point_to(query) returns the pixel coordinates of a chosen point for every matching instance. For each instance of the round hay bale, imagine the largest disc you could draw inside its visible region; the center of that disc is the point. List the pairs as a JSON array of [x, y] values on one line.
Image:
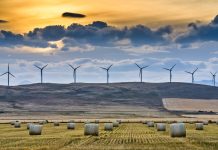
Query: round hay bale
[[150, 124], [161, 127], [35, 129], [115, 124], [91, 129], [205, 122], [199, 126], [13, 122], [17, 124], [108, 126], [28, 125], [178, 130], [71, 126], [56, 124]]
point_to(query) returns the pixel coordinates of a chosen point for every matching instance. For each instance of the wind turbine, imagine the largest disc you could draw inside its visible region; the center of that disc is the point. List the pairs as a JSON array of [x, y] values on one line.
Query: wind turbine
[[141, 71], [8, 73], [170, 70], [41, 69], [192, 73], [107, 69], [74, 71], [214, 78]]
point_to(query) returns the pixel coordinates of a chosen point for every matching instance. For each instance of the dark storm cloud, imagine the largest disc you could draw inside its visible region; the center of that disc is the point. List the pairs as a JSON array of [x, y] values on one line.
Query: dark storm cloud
[[215, 20], [97, 33], [200, 33], [49, 33], [9, 39], [73, 15], [101, 34], [3, 21]]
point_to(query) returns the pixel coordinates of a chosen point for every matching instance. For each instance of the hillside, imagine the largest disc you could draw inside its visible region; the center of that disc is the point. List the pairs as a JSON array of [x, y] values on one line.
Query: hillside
[[85, 98]]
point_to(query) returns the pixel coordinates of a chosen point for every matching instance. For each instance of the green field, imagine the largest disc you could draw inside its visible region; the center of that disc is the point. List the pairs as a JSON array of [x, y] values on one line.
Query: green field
[[126, 136]]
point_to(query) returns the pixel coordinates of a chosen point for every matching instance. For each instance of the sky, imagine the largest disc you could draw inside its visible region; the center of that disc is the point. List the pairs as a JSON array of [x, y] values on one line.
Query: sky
[[98, 33]]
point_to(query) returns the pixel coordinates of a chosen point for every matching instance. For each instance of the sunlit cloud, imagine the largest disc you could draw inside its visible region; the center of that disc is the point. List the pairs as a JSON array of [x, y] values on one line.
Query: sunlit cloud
[[25, 15]]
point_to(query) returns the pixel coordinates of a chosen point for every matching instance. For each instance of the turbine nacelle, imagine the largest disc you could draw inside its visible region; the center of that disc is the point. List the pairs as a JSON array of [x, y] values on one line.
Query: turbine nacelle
[[9, 74], [192, 73], [41, 69], [74, 71], [214, 78], [107, 69], [141, 70], [170, 70]]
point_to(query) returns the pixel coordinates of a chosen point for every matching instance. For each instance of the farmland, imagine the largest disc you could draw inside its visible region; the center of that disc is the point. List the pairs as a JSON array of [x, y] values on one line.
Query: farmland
[[181, 104], [126, 136]]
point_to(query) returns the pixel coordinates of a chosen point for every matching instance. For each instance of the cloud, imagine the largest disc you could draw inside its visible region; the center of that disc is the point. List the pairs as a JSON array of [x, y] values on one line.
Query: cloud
[[73, 15], [215, 20], [200, 33], [79, 37], [49, 33], [101, 34], [3, 21], [136, 39], [9, 39]]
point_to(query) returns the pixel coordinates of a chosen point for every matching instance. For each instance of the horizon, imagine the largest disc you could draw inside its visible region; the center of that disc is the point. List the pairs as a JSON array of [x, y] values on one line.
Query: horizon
[[131, 82]]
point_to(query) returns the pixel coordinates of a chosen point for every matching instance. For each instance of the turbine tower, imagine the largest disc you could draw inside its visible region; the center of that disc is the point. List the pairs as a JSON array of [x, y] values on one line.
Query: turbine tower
[[141, 71], [74, 71], [170, 70], [214, 78], [41, 70], [8, 73], [107, 69], [192, 73]]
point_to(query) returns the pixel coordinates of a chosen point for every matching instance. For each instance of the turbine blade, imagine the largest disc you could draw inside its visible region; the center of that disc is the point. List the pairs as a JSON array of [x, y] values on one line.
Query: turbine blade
[[37, 67], [12, 75], [4, 73], [195, 70], [78, 67], [71, 66], [173, 67], [103, 68], [110, 66], [166, 69], [145, 67], [137, 65], [188, 72], [44, 66]]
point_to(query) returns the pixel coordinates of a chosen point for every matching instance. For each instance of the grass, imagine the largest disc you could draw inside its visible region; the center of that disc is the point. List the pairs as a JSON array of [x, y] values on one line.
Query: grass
[[128, 136]]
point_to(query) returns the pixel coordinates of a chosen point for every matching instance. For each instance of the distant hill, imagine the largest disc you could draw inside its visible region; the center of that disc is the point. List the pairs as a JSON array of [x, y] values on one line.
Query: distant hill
[[84, 96]]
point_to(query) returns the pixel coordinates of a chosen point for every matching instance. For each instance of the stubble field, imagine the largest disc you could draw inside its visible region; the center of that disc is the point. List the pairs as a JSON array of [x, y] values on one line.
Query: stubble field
[[127, 136]]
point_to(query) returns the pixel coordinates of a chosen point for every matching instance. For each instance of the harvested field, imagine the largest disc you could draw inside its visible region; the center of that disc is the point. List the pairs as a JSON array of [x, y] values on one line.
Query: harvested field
[[126, 136], [179, 104]]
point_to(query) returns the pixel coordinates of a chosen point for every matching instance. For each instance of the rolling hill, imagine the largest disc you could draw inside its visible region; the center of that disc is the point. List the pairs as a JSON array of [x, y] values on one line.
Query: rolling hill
[[85, 98]]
